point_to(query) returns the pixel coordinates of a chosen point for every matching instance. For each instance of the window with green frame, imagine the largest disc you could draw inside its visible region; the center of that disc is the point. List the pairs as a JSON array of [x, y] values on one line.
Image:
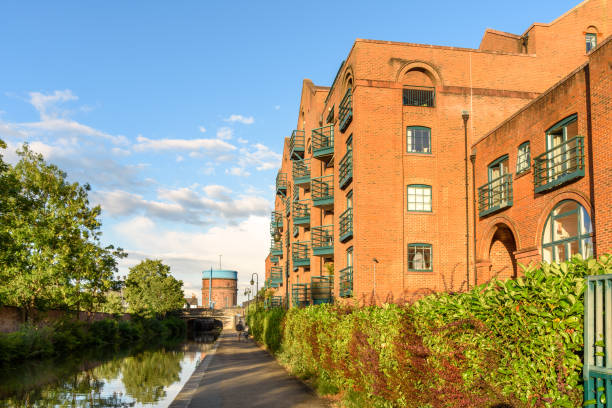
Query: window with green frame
[[591, 41], [330, 115], [418, 139], [419, 197], [420, 258], [349, 256], [567, 232], [523, 159], [560, 155]]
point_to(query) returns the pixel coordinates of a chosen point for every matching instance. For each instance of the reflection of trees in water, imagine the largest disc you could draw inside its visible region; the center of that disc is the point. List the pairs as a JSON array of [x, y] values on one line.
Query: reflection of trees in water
[[146, 375], [76, 384]]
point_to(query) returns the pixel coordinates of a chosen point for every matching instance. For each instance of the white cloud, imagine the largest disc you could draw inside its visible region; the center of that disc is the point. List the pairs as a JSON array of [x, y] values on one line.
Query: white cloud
[[224, 133], [237, 171], [246, 120], [277, 107], [179, 158], [120, 152], [213, 145], [190, 253], [184, 204], [243, 141], [208, 171], [202, 129], [259, 156], [46, 104]]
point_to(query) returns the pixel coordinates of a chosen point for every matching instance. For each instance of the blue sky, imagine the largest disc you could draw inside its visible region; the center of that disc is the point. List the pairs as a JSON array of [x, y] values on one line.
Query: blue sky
[[175, 111]]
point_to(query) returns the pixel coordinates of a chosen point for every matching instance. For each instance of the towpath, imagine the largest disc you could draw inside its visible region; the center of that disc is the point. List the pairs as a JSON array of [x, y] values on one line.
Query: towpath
[[241, 375]]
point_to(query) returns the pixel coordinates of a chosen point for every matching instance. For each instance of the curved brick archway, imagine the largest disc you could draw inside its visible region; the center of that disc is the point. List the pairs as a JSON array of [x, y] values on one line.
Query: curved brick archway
[[501, 259]]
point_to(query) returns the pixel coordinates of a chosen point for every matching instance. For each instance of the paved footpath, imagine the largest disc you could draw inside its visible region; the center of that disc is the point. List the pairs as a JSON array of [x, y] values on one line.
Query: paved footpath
[[241, 375]]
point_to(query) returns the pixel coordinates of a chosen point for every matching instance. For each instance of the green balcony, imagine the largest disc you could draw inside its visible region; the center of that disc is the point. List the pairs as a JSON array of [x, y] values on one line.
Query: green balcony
[[281, 184], [301, 212], [276, 274], [322, 240], [274, 259], [273, 302], [300, 294], [321, 289], [323, 192], [296, 144], [276, 222], [323, 142], [296, 231], [300, 254], [495, 195], [301, 172], [346, 169], [559, 165], [271, 284], [346, 225], [346, 282], [276, 248], [345, 111]]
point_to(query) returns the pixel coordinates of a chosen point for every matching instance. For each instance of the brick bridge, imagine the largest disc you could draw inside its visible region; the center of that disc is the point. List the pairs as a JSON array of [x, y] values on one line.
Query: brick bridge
[[207, 319]]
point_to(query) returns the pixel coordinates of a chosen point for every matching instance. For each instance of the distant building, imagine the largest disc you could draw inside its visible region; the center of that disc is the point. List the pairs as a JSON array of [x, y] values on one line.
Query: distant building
[[191, 302], [224, 288]]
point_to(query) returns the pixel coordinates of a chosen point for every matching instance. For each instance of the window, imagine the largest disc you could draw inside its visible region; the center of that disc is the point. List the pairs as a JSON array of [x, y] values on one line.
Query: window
[[591, 41], [349, 257], [349, 142], [568, 231], [419, 198], [349, 199], [418, 139], [498, 188], [330, 115], [561, 155], [523, 160], [419, 257], [419, 96]]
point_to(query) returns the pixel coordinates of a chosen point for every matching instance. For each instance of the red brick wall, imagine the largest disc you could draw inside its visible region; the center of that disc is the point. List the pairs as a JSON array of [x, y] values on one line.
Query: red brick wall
[[224, 292], [600, 71]]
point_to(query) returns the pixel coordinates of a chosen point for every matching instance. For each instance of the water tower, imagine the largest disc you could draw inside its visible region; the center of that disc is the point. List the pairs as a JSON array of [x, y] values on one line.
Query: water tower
[[223, 288]]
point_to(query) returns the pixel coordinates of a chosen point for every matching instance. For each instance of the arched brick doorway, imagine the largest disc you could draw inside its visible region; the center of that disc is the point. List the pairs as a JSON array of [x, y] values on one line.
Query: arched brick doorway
[[501, 254]]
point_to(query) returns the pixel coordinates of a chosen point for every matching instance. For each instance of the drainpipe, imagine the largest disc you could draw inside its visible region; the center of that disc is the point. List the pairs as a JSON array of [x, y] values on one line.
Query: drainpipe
[[473, 160], [466, 115]]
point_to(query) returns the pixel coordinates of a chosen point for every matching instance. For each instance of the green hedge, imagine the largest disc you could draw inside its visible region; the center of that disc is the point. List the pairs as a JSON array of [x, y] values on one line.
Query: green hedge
[[516, 343], [65, 336]]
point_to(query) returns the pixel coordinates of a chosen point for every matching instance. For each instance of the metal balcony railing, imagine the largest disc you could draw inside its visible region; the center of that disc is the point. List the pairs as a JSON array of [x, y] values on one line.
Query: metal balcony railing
[[345, 110], [321, 289], [495, 195], [276, 248], [322, 238], [301, 212], [276, 222], [346, 169], [301, 172], [300, 253], [296, 144], [300, 294], [346, 282], [276, 274], [273, 302], [323, 191], [346, 225], [323, 142], [281, 183], [559, 165], [287, 202], [419, 96]]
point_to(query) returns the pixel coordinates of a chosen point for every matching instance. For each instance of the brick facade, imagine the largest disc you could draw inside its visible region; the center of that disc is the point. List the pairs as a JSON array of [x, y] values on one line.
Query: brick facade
[[506, 73], [224, 291]]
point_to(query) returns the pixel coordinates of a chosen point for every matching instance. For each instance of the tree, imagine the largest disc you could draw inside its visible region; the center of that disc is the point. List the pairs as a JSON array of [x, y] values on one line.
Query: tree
[[51, 255], [150, 290]]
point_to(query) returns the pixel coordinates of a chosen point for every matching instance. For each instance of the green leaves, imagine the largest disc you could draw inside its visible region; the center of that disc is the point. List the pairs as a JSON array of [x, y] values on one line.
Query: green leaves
[[150, 290]]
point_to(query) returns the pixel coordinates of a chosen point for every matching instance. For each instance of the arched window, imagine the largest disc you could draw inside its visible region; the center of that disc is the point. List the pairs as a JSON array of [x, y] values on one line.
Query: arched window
[[591, 41], [568, 231], [523, 159]]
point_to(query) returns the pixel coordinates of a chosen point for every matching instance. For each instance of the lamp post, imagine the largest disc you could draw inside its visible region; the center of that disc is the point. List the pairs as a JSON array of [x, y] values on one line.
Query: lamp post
[[256, 288], [465, 115], [277, 237]]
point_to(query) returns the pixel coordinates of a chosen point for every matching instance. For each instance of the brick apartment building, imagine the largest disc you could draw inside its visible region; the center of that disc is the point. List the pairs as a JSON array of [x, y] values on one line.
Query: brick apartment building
[[372, 185]]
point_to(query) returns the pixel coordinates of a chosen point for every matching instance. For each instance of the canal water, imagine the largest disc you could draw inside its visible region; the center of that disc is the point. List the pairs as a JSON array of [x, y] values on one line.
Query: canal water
[[106, 378]]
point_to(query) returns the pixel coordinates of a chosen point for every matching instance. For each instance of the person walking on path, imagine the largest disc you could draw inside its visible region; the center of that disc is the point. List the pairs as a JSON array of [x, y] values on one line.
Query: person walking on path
[[239, 328]]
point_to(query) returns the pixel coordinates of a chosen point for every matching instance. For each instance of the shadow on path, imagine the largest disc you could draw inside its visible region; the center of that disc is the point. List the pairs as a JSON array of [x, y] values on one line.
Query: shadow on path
[[240, 374]]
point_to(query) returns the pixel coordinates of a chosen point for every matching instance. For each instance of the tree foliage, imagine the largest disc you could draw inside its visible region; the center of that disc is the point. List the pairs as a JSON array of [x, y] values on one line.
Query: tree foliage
[[51, 255], [150, 290]]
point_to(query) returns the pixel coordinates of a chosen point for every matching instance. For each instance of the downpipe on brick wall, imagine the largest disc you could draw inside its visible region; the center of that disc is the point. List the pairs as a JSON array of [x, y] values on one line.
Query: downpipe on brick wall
[[466, 115]]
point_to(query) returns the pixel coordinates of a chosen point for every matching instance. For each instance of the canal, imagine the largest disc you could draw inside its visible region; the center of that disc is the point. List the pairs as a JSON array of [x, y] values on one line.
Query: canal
[[139, 377]]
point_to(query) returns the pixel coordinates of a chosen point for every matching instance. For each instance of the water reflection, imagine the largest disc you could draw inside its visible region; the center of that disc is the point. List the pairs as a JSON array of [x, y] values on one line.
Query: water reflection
[[145, 378]]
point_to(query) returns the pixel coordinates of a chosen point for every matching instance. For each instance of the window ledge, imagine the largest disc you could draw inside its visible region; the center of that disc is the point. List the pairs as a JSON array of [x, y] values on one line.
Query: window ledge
[[522, 174]]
